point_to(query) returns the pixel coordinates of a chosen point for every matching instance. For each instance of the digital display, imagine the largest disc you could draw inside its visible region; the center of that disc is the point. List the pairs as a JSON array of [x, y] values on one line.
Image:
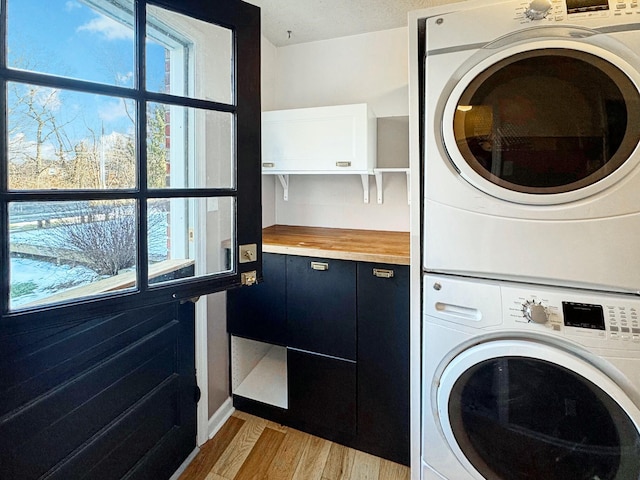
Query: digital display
[[583, 315], [576, 6]]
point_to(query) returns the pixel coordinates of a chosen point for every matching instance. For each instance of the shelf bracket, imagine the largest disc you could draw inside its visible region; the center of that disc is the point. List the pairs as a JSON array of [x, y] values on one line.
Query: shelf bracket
[[378, 172], [365, 186], [284, 181], [379, 185]]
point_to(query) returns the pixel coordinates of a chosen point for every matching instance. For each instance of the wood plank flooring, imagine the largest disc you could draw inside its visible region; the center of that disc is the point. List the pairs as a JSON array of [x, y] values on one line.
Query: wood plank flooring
[[251, 448]]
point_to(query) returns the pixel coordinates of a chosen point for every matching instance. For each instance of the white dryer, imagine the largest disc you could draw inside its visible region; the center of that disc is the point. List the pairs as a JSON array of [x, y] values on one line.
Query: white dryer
[[524, 382], [532, 126]]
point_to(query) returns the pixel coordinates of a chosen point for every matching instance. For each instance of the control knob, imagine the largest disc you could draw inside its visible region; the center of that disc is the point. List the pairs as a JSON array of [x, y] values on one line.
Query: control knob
[[538, 9], [535, 312]]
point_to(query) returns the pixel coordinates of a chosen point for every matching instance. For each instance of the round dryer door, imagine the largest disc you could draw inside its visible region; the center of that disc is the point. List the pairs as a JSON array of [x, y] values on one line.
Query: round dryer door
[[534, 125], [516, 410]]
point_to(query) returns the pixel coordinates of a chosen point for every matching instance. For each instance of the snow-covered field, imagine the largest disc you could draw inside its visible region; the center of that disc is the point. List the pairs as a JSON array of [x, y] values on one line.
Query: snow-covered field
[[34, 279]]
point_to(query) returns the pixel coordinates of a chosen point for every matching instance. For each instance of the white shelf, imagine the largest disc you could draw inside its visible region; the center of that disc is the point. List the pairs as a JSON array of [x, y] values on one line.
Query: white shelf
[[267, 381], [378, 172]]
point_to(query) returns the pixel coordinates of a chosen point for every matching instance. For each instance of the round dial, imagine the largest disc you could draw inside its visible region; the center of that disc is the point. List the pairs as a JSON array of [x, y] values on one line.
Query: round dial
[[538, 9], [535, 312]]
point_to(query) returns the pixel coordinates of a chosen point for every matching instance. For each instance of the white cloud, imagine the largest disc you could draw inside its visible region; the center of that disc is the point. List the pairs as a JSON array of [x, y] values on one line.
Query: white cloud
[[112, 111], [72, 5], [49, 97], [124, 78], [108, 28]]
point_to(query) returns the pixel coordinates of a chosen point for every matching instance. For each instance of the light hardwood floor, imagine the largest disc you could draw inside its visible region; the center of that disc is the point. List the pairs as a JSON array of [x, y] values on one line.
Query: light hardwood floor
[[251, 448]]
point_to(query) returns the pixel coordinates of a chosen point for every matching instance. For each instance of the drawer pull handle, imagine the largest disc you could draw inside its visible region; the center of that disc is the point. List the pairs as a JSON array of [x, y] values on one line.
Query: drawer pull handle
[[321, 266], [382, 273], [343, 164], [268, 164]]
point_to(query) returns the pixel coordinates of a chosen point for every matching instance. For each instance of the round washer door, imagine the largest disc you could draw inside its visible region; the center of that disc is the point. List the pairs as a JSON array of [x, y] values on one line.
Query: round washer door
[[545, 122], [516, 410]]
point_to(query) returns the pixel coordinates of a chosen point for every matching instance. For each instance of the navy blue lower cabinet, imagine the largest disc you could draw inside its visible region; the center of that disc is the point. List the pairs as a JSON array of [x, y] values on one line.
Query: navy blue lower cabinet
[[383, 361], [345, 326], [322, 394]]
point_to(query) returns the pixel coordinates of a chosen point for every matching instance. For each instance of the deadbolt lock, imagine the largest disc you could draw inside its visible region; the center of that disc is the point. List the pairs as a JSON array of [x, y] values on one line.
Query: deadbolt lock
[[248, 253]]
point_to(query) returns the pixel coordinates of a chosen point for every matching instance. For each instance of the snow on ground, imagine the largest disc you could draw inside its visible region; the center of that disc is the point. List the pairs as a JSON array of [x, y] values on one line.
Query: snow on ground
[[34, 279]]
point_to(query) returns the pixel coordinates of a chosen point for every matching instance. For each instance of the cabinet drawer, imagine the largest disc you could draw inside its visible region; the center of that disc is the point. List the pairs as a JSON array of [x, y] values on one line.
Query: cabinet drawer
[[322, 392], [321, 306]]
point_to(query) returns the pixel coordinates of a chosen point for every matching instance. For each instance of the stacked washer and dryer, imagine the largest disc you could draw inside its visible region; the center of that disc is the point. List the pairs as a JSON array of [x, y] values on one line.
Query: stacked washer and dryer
[[531, 241]]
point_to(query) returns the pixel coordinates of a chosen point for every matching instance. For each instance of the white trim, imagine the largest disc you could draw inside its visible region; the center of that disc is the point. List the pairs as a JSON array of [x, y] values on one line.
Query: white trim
[[214, 424], [181, 469], [202, 375], [221, 415]]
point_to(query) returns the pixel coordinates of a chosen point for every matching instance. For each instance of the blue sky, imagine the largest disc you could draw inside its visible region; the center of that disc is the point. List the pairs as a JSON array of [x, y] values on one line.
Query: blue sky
[[68, 38]]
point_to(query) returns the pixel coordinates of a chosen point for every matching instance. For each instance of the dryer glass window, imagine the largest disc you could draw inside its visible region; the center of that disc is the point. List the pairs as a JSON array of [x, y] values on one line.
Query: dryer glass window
[[548, 121], [518, 418]]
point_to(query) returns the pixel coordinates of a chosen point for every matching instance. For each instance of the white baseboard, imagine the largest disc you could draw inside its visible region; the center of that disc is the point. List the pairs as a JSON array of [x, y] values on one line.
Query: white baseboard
[[215, 423], [185, 464], [220, 416]]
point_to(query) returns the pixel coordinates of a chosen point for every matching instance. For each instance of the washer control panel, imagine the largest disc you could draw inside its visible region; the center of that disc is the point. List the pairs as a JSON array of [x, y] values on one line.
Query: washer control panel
[[603, 316], [560, 10]]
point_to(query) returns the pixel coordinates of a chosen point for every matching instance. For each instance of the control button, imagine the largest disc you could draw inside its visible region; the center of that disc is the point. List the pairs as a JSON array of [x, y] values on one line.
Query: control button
[[614, 336], [621, 5], [635, 338], [538, 9], [625, 330], [613, 329], [535, 312]]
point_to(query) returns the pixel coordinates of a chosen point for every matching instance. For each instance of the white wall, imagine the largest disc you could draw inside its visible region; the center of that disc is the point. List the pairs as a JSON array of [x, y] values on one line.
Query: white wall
[[268, 82], [370, 68]]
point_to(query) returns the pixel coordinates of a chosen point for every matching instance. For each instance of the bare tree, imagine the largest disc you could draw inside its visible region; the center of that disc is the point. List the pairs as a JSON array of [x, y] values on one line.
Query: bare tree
[[104, 235]]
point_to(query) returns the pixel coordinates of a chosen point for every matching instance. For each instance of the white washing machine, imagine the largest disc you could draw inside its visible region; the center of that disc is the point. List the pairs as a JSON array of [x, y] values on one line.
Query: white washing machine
[[525, 382], [532, 126]]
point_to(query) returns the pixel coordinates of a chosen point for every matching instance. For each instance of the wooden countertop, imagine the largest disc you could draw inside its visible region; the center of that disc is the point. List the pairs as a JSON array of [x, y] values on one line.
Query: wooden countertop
[[375, 246]]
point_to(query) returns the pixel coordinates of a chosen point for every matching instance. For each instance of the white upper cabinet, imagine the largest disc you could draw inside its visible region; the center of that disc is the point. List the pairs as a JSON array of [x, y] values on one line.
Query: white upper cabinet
[[321, 140]]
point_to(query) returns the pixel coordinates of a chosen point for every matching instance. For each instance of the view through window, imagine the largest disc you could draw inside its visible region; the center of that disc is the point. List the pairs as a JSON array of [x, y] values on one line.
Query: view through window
[[115, 181]]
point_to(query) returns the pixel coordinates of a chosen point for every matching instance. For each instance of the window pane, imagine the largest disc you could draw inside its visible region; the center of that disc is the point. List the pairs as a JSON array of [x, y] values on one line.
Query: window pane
[[188, 57], [61, 251], [189, 237], [87, 43], [68, 140], [189, 147]]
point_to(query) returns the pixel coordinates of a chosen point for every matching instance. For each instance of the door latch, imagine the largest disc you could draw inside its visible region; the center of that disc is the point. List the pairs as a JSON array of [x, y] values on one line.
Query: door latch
[[248, 278]]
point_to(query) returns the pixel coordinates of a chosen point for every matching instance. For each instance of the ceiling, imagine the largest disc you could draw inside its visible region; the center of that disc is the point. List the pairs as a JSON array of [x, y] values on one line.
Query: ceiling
[[312, 20]]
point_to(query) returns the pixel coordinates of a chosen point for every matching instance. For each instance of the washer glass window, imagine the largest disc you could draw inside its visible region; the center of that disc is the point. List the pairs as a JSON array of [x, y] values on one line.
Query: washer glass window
[[548, 121], [518, 418]]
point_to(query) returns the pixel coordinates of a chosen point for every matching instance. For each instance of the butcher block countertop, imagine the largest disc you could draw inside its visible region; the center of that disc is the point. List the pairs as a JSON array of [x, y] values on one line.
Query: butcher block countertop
[[374, 246]]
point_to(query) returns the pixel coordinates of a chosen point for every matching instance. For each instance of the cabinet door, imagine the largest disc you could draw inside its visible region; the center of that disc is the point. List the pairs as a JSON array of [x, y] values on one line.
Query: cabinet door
[[321, 306], [335, 139], [383, 361], [259, 312], [322, 393]]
